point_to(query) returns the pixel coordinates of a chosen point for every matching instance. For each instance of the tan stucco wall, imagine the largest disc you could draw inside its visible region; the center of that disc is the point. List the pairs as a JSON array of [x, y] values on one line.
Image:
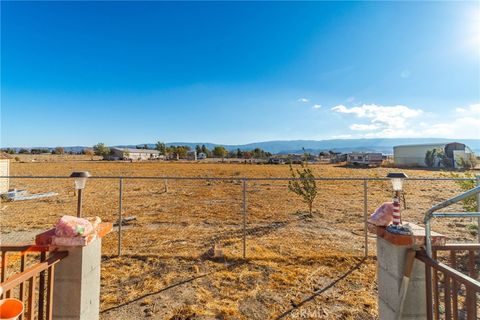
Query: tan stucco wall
[[4, 171]]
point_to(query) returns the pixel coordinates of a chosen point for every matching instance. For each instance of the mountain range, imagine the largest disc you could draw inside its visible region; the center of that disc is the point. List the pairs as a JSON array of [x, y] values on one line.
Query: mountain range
[[314, 146]]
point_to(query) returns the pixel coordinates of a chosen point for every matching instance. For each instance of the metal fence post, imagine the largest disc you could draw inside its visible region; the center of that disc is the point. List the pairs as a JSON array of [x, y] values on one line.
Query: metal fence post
[[120, 215], [244, 183], [365, 214], [478, 209], [165, 184]]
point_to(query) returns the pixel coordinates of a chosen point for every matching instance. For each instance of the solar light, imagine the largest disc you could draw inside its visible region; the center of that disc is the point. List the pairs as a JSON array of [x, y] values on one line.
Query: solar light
[[80, 180], [397, 180], [397, 183]]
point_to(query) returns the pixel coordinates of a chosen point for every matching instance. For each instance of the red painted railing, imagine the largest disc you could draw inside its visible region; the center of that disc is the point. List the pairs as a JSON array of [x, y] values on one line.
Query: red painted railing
[[33, 285], [452, 286]]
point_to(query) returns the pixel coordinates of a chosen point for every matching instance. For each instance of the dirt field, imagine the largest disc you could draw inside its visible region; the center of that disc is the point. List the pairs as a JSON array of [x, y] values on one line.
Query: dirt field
[[165, 272]]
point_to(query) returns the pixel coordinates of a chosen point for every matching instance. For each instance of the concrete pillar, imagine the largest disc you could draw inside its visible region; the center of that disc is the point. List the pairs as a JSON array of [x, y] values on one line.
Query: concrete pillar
[[77, 283], [391, 259]]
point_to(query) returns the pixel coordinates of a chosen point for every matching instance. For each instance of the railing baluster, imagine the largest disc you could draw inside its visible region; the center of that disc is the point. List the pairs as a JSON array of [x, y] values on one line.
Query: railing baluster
[[428, 277], [453, 262], [470, 304], [41, 289], [4, 265], [22, 285], [436, 303], [448, 294], [471, 263], [51, 276], [31, 298]]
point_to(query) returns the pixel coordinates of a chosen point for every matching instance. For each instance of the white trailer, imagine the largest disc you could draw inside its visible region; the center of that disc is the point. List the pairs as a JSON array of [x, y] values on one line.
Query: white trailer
[[364, 159]]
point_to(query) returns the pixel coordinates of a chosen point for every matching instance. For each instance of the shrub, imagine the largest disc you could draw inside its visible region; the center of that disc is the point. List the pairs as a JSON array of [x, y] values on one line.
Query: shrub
[[469, 204], [306, 186], [468, 163], [100, 149]]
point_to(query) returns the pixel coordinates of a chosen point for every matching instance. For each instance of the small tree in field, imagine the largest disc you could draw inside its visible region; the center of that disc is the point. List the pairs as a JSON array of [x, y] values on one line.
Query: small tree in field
[[305, 187], [58, 150], [101, 149], [220, 152]]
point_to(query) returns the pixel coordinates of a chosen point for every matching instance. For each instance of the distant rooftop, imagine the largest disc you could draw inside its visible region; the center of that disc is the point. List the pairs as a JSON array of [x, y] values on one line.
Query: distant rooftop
[[132, 150], [437, 144]]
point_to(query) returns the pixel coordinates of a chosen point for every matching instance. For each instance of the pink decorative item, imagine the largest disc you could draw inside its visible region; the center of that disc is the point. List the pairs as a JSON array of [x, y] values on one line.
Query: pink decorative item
[[73, 241], [383, 216], [69, 226]]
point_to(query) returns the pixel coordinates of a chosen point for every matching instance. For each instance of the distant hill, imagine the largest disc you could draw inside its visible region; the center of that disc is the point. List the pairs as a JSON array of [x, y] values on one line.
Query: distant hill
[[314, 146], [339, 145]]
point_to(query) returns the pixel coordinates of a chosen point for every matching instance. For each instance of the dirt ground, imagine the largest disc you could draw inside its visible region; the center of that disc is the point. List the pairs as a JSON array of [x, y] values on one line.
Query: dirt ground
[[297, 266]]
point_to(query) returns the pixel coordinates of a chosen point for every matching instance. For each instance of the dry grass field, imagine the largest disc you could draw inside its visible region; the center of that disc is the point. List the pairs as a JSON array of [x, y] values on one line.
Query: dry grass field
[[164, 271]]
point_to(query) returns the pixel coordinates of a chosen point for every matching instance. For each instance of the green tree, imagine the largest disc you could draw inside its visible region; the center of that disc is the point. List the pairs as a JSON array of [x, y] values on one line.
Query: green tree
[[160, 146], [304, 186], [431, 157], [469, 204], [239, 153], [58, 150], [220, 152], [9, 150], [182, 151], [39, 151], [198, 149], [100, 149], [205, 150]]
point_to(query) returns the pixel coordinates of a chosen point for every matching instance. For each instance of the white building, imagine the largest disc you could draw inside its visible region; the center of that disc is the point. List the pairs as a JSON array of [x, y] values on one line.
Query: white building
[[192, 155], [413, 155], [133, 154], [4, 171], [202, 156]]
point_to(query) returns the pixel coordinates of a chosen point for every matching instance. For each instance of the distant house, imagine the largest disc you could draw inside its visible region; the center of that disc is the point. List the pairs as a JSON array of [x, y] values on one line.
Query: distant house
[[192, 155], [276, 160], [413, 155], [364, 158], [4, 171], [201, 156], [338, 157], [133, 154]]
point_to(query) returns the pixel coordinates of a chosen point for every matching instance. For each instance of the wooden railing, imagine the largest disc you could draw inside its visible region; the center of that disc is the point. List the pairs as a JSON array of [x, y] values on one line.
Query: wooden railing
[[452, 287], [23, 284]]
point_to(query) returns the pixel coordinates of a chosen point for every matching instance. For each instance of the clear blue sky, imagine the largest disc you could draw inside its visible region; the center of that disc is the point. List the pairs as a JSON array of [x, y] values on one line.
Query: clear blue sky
[[77, 73]]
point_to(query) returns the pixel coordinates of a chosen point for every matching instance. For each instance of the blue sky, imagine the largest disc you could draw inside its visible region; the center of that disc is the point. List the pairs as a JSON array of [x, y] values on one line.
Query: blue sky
[[77, 73]]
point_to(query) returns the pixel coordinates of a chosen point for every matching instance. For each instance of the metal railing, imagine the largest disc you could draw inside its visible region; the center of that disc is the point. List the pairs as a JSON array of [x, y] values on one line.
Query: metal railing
[[245, 181], [432, 213], [27, 278], [450, 293]]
